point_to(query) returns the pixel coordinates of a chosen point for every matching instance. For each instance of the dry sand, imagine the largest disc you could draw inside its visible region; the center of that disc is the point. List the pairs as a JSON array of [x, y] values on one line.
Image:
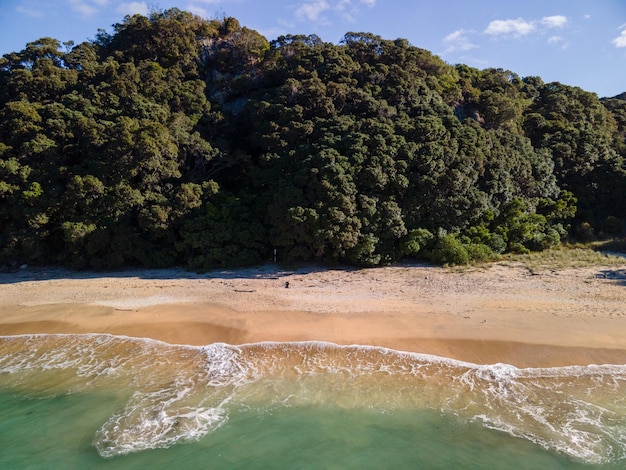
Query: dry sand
[[496, 314]]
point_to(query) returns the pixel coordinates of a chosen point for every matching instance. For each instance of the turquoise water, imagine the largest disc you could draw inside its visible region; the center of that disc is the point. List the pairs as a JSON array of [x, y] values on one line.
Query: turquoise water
[[101, 401]]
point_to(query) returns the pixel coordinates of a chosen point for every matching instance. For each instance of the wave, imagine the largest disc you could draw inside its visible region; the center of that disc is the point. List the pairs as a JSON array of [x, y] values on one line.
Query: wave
[[174, 393]]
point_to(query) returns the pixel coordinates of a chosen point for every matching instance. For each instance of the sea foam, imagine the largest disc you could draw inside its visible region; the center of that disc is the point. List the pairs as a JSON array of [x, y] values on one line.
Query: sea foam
[[171, 394]]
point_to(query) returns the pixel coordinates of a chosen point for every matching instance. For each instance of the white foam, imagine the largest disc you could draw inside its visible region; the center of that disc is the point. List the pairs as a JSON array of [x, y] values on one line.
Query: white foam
[[152, 427], [563, 408]]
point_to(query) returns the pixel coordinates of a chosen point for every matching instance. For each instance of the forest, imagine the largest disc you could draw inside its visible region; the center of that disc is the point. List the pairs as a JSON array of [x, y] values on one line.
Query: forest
[[179, 141]]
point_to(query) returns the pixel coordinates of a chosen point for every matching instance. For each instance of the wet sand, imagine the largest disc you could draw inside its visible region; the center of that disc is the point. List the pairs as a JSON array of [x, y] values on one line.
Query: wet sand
[[497, 314]]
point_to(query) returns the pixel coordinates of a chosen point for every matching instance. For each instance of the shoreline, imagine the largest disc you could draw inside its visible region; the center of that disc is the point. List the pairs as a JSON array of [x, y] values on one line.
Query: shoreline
[[500, 314]]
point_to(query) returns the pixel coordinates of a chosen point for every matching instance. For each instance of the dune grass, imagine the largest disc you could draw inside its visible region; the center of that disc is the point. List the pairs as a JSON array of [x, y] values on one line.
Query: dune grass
[[567, 256]]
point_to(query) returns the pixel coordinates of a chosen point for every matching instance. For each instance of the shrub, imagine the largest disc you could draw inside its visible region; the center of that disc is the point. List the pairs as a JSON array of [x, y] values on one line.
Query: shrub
[[518, 248], [415, 241], [585, 232], [497, 243], [449, 250], [479, 252]]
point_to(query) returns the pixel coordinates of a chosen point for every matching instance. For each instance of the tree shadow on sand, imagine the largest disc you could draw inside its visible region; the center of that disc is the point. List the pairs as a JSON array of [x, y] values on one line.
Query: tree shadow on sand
[[265, 271], [618, 276]]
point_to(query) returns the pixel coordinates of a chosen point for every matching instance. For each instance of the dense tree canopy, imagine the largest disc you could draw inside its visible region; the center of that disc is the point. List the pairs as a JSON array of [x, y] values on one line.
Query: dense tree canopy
[[176, 140]]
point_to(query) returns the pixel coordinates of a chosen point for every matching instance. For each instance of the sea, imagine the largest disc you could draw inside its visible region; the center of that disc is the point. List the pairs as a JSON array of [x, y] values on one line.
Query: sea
[[112, 402]]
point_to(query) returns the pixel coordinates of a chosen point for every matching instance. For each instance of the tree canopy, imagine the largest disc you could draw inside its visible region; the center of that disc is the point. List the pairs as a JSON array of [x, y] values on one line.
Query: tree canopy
[[176, 140]]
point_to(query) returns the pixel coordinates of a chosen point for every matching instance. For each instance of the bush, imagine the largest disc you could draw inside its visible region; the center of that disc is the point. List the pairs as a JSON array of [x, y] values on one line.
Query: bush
[[497, 243], [518, 248], [584, 232], [415, 241], [479, 252], [449, 250]]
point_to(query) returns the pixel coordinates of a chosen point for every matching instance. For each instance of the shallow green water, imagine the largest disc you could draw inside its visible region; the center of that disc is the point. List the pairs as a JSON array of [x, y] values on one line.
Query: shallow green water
[[57, 433], [100, 401]]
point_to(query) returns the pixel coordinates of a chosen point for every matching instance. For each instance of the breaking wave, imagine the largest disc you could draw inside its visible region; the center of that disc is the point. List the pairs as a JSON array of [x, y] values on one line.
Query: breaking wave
[[170, 394]]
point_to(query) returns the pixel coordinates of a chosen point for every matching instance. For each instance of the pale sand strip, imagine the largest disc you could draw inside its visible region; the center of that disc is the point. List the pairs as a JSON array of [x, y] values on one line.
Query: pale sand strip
[[500, 314]]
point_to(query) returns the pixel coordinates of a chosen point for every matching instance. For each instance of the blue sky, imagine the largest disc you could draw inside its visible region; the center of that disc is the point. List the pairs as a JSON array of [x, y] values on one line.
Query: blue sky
[[576, 42]]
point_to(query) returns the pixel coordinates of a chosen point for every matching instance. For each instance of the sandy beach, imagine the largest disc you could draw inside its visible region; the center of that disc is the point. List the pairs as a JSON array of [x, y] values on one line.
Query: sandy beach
[[502, 313]]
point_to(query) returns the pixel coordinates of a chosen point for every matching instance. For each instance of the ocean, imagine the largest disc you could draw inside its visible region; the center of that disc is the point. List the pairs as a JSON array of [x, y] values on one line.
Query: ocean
[[103, 401]]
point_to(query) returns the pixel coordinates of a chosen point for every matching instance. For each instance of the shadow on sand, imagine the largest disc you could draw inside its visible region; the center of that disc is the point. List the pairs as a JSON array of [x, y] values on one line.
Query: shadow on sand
[[266, 271], [618, 276]]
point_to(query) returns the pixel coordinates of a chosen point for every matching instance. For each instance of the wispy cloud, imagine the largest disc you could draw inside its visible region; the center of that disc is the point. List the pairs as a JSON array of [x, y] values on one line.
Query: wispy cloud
[[133, 8], [83, 7], [321, 11], [620, 41], [313, 11], [557, 21], [29, 11], [520, 27], [558, 41], [466, 39], [198, 10], [459, 41], [87, 8], [350, 10]]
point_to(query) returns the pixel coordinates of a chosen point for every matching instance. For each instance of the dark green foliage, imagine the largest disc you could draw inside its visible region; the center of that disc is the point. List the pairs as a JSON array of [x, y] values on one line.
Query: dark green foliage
[[450, 250], [177, 140], [586, 139]]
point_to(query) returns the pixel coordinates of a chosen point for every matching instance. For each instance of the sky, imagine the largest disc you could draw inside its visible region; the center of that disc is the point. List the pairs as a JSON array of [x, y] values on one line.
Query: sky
[[575, 42]]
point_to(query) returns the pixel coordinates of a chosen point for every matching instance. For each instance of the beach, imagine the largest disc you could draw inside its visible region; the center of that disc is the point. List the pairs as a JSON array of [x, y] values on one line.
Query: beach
[[501, 313], [407, 366]]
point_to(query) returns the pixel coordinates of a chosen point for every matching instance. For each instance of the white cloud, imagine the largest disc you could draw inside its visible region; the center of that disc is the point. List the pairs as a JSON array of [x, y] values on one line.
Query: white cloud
[[83, 7], [319, 10], [455, 36], [555, 39], [312, 11], [87, 7], [349, 10], [345, 10], [558, 40], [198, 10], [620, 41], [557, 21], [458, 41], [272, 33], [133, 8], [518, 27]]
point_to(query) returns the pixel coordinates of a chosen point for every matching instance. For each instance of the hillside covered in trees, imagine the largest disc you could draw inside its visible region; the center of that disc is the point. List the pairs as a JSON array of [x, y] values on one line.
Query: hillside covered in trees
[[176, 140]]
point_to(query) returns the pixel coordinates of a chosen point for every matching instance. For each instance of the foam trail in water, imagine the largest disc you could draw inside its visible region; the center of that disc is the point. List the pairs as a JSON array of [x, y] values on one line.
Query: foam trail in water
[[150, 422]]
